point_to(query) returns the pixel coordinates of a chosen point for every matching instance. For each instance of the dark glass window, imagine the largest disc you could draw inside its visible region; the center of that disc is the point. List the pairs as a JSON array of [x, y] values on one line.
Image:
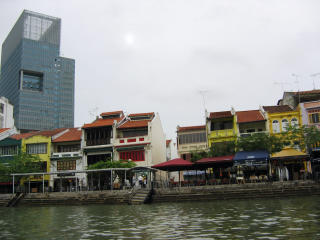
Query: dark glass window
[[32, 81]]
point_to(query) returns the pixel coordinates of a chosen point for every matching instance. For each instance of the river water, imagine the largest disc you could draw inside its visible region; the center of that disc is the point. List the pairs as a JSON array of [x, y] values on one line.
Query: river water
[[293, 218]]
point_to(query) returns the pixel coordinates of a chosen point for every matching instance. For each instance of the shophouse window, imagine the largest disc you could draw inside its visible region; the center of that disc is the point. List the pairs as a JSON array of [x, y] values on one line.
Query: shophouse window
[[66, 165], [285, 124], [192, 138], [314, 118], [221, 125], [37, 148], [1, 122], [133, 155], [276, 126], [294, 122], [69, 148], [8, 150]]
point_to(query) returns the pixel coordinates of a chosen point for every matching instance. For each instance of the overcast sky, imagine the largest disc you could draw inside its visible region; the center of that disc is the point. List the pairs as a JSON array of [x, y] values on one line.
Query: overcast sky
[[164, 56]]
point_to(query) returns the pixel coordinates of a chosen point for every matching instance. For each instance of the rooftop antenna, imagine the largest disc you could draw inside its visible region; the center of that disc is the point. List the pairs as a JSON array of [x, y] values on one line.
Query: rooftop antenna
[[313, 77], [281, 84], [297, 82], [93, 112], [202, 93]]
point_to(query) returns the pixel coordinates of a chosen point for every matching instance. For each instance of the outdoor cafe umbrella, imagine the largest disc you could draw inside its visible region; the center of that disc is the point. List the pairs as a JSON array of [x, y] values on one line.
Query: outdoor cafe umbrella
[[173, 165]]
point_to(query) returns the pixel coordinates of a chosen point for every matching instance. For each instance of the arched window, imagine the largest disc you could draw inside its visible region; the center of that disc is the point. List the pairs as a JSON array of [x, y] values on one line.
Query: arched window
[[275, 126], [285, 124], [294, 122]]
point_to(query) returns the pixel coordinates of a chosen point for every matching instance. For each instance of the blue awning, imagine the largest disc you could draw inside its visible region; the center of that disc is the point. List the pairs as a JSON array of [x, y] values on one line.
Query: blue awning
[[254, 158]]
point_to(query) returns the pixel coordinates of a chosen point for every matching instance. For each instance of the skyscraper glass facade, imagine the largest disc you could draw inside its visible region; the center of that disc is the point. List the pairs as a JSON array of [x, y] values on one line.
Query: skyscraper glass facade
[[35, 79]]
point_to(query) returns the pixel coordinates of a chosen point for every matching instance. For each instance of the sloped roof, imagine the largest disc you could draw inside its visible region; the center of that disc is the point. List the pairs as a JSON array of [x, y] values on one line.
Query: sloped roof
[[3, 129], [315, 91], [23, 135], [74, 134], [110, 113], [222, 114], [134, 124], [141, 114], [191, 128], [49, 133], [249, 116], [102, 122], [277, 109]]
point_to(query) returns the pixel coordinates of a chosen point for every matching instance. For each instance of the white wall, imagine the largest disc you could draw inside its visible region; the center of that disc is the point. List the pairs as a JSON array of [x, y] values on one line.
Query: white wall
[[8, 133], [6, 118], [158, 141]]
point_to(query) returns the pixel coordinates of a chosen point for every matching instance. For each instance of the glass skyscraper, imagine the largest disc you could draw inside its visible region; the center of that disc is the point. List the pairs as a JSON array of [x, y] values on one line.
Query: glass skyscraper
[[34, 77]]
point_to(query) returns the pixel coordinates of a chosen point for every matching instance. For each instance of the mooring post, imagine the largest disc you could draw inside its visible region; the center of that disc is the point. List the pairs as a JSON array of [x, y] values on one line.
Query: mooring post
[[12, 184], [76, 184], [111, 180]]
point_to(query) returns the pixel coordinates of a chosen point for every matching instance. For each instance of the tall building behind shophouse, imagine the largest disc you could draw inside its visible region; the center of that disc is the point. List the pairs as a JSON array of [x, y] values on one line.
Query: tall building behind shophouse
[[34, 77]]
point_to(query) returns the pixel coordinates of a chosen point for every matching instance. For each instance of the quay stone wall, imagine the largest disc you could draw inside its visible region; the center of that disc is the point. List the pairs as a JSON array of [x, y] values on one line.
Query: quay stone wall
[[176, 194], [76, 198], [234, 191]]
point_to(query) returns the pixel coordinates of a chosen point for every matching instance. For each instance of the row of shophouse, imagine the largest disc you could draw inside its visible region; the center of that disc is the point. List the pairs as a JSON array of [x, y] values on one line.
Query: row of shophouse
[[138, 137], [295, 109]]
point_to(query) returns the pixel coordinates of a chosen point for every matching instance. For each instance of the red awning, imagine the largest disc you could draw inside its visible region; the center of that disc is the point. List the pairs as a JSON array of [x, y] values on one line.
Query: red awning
[[176, 164], [221, 159]]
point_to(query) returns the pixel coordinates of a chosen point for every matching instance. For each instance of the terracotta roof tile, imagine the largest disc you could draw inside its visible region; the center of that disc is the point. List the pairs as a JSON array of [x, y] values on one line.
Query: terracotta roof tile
[[134, 124], [74, 134], [49, 133], [223, 114], [191, 128], [316, 91], [23, 135], [277, 109], [141, 114], [3, 129], [249, 116], [102, 122], [111, 113]]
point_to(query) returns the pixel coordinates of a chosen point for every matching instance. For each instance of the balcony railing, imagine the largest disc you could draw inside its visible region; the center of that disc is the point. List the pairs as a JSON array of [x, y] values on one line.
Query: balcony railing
[[223, 133], [251, 133], [129, 140], [101, 141], [65, 154]]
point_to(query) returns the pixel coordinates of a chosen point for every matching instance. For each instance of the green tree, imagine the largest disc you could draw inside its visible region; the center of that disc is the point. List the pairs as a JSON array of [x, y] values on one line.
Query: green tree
[[100, 178], [260, 141], [197, 155], [21, 163], [304, 136], [222, 149], [112, 164]]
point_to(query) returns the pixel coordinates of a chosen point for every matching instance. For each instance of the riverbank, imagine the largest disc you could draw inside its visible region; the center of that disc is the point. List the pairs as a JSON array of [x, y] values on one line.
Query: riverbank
[[182, 194]]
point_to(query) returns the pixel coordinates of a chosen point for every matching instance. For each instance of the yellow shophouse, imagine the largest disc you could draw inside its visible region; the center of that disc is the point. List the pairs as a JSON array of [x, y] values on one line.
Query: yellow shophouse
[[221, 127]]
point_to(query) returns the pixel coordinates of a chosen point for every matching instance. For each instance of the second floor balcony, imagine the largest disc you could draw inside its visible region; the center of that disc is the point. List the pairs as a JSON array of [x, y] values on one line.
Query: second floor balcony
[[249, 134], [223, 133], [98, 141], [59, 155], [132, 140]]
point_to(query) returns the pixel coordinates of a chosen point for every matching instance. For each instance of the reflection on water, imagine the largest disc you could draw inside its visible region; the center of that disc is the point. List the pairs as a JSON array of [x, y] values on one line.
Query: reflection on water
[[295, 218]]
